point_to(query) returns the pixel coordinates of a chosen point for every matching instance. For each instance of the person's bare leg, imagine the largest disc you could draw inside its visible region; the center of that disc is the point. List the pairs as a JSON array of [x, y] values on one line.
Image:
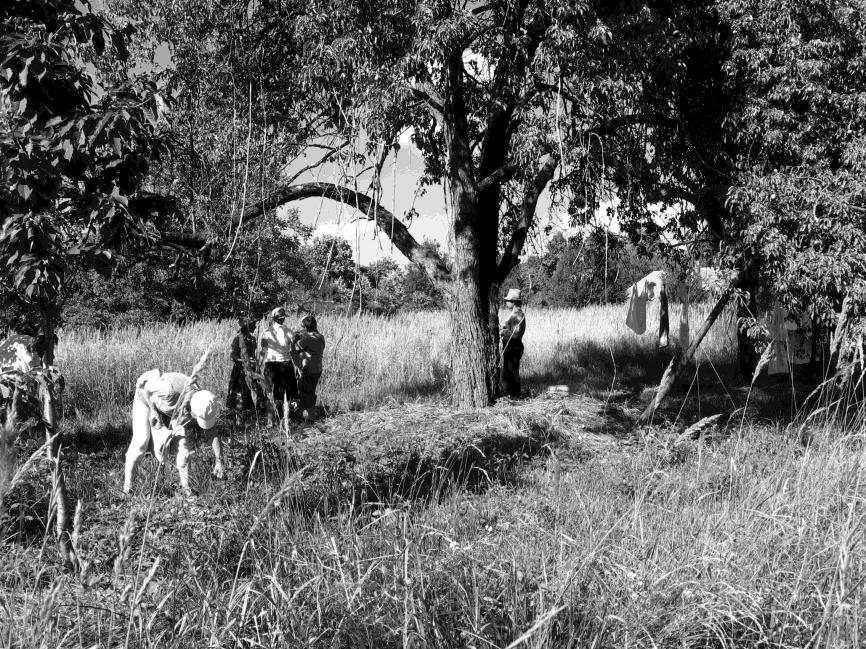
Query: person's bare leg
[[183, 465], [219, 469], [137, 447]]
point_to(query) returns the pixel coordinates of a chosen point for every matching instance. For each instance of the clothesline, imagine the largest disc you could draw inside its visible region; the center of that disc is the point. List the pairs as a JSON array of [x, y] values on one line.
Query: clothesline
[[789, 336]]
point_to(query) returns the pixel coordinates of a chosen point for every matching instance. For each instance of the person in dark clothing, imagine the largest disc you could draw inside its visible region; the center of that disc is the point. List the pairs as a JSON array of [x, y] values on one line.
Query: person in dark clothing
[[308, 348], [511, 334], [243, 352]]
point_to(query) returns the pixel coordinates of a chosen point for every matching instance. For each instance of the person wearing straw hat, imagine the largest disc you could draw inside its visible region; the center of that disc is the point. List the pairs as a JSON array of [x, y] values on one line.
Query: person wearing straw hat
[[275, 355], [511, 334], [168, 408]]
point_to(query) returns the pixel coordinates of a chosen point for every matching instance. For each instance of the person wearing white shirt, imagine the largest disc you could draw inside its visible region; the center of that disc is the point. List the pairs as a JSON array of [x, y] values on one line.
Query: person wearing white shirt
[[275, 355]]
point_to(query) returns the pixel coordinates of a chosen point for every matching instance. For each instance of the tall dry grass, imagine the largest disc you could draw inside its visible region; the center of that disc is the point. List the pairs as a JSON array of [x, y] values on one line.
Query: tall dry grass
[[370, 359]]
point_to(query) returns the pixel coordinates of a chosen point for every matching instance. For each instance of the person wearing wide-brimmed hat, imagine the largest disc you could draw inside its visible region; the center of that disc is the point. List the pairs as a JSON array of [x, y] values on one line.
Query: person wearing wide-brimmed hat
[[511, 334], [275, 354]]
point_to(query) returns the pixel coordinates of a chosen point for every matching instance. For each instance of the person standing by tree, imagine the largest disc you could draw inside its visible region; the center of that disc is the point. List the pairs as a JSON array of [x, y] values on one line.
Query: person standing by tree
[[309, 348], [511, 334], [275, 355]]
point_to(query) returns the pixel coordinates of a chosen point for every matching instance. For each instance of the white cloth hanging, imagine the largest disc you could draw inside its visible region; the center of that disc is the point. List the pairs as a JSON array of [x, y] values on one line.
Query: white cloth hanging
[[636, 317]]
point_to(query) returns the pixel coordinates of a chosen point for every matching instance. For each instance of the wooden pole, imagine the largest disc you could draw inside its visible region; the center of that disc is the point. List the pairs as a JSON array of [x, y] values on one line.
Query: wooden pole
[[681, 359]]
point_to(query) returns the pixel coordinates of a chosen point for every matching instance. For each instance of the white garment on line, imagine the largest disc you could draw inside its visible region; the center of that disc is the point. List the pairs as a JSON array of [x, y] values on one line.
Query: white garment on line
[[644, 290]]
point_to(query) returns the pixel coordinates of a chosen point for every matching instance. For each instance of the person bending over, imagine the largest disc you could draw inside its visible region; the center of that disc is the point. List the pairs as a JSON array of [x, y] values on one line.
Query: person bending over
[[169, 409]]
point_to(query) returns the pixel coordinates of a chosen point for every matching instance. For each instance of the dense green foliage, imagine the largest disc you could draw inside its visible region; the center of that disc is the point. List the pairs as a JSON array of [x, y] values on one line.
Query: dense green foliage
[[76, 147], [723, 132]]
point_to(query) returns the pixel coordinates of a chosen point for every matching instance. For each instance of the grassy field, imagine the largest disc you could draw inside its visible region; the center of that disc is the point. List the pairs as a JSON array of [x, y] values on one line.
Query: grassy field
[[548, 522], [370, 359]]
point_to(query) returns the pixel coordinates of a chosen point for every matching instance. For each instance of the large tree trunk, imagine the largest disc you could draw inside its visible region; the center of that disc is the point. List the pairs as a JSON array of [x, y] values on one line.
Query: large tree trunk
[[472, 378], [472, 375]]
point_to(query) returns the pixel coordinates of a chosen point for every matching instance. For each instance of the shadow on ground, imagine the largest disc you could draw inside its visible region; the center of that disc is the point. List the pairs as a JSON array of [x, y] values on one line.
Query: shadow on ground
[[628, 373]]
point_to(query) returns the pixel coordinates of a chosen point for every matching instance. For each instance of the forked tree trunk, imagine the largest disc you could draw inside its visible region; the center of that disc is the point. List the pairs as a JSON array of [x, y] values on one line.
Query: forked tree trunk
[[681, 360], [471, 342]]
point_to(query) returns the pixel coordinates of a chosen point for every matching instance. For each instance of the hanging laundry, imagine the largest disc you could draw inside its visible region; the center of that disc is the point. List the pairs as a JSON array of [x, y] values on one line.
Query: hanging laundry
[[685, 333], [779, 340], [644, 290], [636, 317]]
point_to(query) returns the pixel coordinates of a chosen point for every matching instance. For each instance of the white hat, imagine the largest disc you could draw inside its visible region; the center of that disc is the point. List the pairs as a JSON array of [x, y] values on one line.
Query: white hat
[[279, 312], [202, 406], [162, 395], [513, 295]]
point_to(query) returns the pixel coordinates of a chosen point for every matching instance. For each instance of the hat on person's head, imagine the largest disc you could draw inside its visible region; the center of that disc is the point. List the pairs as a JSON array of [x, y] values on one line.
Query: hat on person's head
[[513, 295], [309, 323], [202, 406], [162, 395], [279, 312]]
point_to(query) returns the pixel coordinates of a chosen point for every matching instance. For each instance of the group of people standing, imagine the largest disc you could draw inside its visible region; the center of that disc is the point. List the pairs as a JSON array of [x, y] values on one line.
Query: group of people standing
[[290, 361]]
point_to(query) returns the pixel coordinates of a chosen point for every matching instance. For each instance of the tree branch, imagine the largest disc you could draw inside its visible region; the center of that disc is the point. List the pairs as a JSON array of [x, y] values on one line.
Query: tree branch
[[427, 94], [513, 250], [503, 173], [395, 229]]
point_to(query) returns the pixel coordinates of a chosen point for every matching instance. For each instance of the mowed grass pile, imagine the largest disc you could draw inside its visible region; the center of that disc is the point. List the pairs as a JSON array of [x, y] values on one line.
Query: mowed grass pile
[[370, 359]]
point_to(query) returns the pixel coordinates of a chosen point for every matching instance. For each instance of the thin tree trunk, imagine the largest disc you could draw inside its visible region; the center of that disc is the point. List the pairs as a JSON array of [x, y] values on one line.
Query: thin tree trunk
[[59, 496], [681, 360], [747, 358]]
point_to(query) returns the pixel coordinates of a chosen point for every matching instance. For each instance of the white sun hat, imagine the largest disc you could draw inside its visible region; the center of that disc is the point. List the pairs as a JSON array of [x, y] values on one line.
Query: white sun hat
[[202, 406], [513, 295]]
